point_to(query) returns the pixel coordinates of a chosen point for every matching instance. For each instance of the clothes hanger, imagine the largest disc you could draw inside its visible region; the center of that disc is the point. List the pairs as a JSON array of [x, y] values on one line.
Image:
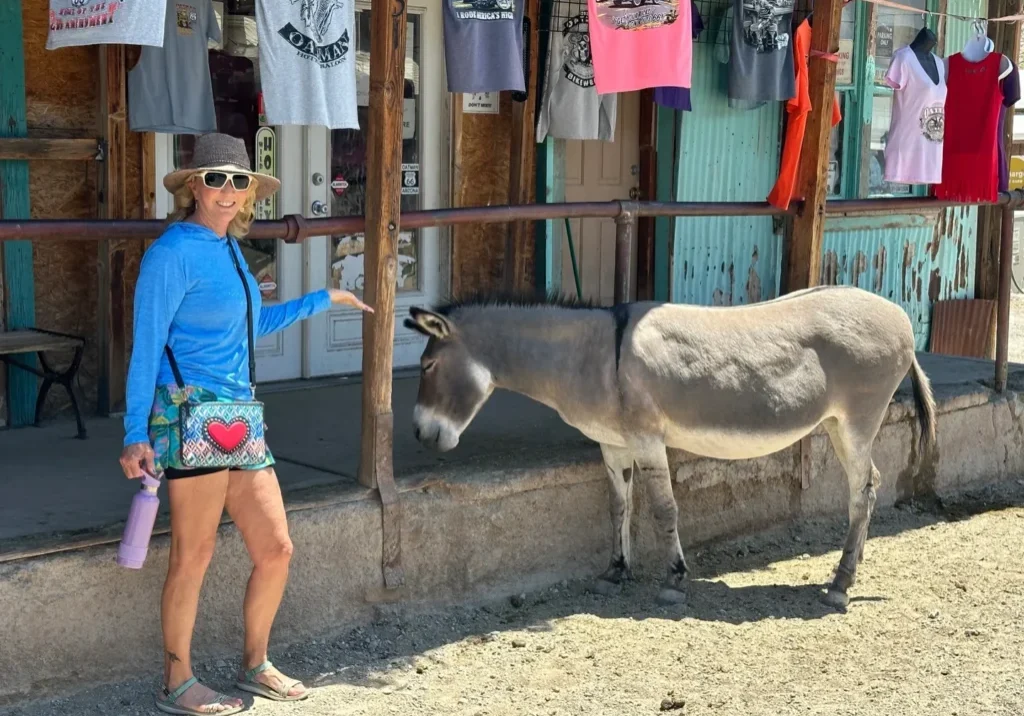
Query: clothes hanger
[[976, 48]]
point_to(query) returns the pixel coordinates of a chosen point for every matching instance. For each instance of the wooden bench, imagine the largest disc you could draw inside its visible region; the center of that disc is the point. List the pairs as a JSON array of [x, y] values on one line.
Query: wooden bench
[[39, 341]]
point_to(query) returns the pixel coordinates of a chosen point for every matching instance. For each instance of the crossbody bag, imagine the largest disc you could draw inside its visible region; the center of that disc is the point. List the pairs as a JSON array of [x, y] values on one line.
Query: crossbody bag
[[223, 433]]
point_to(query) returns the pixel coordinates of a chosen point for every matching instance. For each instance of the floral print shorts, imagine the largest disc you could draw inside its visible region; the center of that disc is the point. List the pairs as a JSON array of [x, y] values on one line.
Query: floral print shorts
[[164, 433]]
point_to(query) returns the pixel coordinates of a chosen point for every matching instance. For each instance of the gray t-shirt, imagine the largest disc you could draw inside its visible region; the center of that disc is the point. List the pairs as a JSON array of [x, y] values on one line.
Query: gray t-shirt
[[571, 108], [308, 62], [105, 22], [170, 90], [761, 52], [483, 45]]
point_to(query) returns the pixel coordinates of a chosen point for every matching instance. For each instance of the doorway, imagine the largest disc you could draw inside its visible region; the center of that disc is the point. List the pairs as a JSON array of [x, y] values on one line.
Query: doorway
[[601, 171]]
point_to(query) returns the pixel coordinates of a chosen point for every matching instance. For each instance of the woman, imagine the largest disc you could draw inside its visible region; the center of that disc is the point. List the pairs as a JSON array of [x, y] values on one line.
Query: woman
[[190, 298]]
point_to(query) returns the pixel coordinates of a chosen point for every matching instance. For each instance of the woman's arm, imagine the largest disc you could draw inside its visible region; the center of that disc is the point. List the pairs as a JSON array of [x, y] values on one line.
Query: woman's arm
[[158, 294], [280, 316]]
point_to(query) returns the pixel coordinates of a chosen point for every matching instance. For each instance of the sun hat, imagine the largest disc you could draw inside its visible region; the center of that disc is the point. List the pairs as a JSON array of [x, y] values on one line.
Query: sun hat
[[221, 152]]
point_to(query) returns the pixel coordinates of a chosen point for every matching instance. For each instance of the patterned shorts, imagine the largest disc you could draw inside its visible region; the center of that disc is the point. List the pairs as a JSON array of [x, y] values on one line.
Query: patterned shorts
[[164, 434]]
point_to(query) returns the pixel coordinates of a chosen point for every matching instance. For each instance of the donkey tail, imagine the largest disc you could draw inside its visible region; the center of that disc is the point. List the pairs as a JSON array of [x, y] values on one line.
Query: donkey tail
[[925, 403]]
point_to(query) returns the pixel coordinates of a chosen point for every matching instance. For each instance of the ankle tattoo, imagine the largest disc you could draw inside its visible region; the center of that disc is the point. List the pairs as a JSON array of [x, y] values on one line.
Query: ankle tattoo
[[173, 657]]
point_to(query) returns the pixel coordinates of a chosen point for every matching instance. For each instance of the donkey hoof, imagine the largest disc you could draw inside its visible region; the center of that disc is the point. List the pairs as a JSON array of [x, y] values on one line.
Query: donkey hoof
[[836, 599], [606, 588], [668, 595]]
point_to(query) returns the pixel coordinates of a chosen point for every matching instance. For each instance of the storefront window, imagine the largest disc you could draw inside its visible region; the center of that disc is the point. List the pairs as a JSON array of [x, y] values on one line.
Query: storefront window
[[348, 168], [234, 69], [893, 30], [836, 145], [847, 36]]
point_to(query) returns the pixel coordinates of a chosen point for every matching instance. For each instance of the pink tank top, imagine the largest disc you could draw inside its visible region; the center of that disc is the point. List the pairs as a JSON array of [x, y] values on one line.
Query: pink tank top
[[638, 44]]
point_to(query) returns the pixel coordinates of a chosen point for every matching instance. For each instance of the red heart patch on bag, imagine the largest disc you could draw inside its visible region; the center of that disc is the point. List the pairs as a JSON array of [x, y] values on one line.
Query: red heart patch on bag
[[227, 437]]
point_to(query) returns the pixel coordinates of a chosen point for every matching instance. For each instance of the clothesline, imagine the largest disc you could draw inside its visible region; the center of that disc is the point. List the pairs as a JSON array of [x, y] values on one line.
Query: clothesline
[[907, 8]]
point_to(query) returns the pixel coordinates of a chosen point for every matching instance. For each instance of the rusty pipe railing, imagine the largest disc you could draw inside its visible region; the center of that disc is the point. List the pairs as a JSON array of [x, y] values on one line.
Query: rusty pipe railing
[[295, 228]]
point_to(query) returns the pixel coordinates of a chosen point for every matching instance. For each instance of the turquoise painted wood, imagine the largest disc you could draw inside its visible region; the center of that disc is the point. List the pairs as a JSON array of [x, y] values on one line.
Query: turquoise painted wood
[[18, 276], [725, 155], [666, 147], [550, 160]]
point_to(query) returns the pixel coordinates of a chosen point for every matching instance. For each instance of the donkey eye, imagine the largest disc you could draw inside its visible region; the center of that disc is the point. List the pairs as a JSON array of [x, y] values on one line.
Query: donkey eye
[[428, 366]]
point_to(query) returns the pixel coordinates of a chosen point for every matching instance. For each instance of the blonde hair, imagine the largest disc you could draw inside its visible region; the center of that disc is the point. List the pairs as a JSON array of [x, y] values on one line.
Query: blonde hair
[[185, 206]]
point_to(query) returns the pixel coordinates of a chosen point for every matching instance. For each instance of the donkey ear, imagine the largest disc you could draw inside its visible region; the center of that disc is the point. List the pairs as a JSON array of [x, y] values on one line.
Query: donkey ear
[[428, 323]]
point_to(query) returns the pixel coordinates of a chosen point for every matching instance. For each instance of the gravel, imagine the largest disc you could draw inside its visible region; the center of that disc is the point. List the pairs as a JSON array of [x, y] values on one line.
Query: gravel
[[936, 626]]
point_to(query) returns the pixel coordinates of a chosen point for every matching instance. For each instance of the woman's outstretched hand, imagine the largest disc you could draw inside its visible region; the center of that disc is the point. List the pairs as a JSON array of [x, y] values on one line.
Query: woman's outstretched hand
[[134, 456], [347, 298]]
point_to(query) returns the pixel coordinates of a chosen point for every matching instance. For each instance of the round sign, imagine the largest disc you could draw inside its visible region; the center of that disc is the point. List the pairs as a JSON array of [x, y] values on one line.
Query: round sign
[[338, 185]]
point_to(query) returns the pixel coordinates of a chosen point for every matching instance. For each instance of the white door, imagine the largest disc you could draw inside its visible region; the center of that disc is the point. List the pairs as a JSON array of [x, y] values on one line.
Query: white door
[[335, 185], [276, 265]]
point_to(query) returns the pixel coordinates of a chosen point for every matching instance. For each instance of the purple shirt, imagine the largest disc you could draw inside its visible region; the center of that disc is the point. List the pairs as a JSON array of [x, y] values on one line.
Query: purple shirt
[[1011, 93], [679, 97]]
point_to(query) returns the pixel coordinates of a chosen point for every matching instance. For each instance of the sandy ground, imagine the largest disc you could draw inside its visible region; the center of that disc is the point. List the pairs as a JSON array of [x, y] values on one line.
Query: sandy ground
[[936, 626]]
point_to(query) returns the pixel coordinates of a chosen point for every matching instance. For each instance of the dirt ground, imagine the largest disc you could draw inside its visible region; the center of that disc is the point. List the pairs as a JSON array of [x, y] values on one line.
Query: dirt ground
[[935, 626]]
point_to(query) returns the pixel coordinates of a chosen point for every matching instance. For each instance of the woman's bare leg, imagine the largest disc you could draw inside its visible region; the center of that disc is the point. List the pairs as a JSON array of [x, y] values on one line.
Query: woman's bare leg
[[197, 504], [256, 507]]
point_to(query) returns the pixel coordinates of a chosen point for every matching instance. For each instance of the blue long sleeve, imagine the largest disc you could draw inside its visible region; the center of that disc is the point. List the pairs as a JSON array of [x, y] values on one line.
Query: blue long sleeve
[[189, 297], [159, 292], [278, 317]]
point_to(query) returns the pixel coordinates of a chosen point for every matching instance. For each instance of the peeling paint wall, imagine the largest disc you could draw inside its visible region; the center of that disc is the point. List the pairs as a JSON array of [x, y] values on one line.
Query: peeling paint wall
[[725, 155], [913, 260]]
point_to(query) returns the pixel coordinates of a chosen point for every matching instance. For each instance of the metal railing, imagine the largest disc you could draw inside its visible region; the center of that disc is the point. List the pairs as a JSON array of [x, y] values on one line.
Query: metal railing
[[295, 228]]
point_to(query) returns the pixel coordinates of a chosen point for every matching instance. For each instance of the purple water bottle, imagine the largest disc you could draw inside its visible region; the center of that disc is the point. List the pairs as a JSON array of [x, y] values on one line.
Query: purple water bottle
[[139, 528]]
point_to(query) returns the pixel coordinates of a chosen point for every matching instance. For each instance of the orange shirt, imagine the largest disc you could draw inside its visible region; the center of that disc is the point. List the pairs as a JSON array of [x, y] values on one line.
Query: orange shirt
[[797, 108]]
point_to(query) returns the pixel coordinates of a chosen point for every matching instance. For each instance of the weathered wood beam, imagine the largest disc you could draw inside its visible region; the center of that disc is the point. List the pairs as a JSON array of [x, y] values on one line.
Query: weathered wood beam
[[383, 206], [33, 148], [19, 283], [804, 249], [1006, 40], [523, 150], [648, 187], [112, 293]]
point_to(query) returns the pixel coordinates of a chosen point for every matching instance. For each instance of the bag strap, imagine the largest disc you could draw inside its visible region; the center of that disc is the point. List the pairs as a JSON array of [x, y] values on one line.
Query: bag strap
[[248, 321]]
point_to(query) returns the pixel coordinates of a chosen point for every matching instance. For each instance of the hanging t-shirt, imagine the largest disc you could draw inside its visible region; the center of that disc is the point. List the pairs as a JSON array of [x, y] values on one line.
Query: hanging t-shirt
[[483, 45], [571, 108], [679, 97], [105, 22], [760, 52], [797, 110], [639, 47], [913, 149], [169, 90], [1011, 94], [969, 156], [308, 62]]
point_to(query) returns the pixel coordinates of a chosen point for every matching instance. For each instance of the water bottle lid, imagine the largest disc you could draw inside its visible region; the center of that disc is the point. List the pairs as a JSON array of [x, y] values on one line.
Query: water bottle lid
[[149, 481]]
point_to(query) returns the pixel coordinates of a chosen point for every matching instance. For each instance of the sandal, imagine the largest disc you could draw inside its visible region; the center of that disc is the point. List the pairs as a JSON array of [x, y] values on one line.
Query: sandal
[[168, 703], [248, 683]]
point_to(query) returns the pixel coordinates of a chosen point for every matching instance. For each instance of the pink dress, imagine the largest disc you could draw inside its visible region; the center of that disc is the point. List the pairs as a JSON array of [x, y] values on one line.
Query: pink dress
[[638, 44]]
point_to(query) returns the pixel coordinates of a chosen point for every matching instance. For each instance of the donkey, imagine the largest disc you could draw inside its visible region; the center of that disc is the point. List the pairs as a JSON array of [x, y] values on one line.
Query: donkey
[[730, 383]]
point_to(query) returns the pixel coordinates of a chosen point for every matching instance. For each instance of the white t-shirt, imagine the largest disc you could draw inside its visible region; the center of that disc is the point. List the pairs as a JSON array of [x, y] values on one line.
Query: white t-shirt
[[913, 149], [105, 22], [308, 62]]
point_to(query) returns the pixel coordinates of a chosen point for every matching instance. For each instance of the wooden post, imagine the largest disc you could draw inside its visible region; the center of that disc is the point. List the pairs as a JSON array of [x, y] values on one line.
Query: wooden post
[[648, 191], [804, 250], [1006, 40], [112, 294], [524, 148], [383, 205], [19, 284]]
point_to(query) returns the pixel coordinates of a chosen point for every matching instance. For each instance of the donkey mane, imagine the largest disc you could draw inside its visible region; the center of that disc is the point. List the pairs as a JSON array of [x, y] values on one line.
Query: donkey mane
[[524, 299]]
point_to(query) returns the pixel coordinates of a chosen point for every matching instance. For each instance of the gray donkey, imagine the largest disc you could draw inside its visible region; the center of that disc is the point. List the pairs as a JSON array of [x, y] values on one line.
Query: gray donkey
[[730, 383]]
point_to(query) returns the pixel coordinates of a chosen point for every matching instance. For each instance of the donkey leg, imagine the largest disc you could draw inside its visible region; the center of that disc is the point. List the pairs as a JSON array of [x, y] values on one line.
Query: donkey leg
[[863, 479], [619, 464], [654, 470]]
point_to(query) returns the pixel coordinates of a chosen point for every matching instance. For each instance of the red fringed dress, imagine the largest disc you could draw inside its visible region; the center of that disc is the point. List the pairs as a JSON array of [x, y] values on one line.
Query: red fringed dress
[[969, 155]]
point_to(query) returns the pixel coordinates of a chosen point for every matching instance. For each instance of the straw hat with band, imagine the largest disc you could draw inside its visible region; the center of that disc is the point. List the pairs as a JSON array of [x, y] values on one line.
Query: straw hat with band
[[221, 153]]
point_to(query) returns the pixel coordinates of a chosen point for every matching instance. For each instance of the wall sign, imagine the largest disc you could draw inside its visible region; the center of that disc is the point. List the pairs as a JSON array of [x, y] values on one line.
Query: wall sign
[[410, 179], [480, 102], [338, 184], [266, 163]]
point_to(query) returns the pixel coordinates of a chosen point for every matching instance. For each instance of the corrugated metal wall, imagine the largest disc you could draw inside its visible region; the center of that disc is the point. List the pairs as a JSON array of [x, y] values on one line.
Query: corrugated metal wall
[[725, 155]]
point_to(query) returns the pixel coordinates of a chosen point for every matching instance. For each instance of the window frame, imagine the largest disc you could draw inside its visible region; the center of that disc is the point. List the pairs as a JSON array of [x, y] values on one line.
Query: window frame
[[859, 103]]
